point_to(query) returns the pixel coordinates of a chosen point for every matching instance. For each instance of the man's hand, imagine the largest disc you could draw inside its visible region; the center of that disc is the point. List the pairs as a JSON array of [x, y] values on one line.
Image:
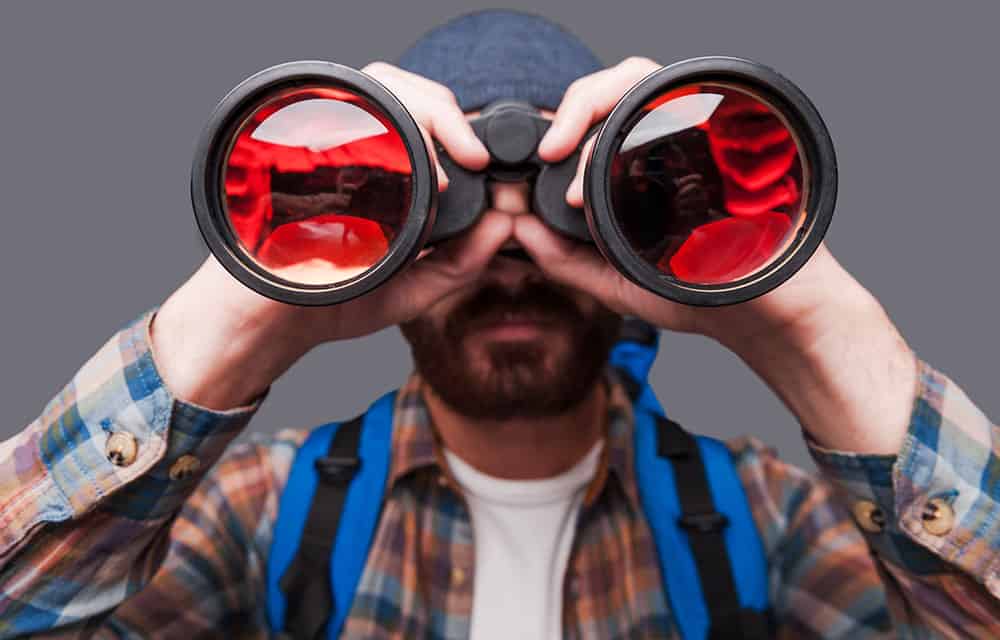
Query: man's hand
[[820, 341], [219, 344]]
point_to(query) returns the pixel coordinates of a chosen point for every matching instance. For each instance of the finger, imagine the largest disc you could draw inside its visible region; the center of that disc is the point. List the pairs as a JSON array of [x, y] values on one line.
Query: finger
[[571, 263], [580, 266], [588, 100], [440, 271], [429, 86], [442, 176], [451, 264], [435, 108], [448, 124], [574, 193], [395, 78], [465, 255], [573, 117]]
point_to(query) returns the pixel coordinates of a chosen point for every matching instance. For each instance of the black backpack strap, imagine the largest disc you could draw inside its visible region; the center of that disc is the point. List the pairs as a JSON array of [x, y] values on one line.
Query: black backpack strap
[[632, 388], [704, 526], [306, 583], [636, 330]]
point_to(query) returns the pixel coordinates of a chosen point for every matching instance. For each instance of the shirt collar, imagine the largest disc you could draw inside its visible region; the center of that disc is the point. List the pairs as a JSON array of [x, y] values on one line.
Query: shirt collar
[[415, 444]]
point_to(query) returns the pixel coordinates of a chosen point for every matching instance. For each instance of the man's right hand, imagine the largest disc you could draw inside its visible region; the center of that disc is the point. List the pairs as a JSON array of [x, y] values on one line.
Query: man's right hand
[[220, 345]]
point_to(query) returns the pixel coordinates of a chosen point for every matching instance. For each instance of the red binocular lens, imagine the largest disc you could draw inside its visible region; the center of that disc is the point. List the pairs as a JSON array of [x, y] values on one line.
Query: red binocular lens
[[317, 185]]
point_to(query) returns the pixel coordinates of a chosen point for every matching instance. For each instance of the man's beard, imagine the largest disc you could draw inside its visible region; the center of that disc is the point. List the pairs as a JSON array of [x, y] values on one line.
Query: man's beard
[[515, 378]]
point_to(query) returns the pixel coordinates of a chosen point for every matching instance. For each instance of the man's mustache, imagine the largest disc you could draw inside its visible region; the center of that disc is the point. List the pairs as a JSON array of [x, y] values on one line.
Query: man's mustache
[[535, 301]]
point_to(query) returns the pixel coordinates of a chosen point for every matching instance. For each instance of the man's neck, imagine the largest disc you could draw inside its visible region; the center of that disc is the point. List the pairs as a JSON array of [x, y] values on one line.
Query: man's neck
[[522, 448]]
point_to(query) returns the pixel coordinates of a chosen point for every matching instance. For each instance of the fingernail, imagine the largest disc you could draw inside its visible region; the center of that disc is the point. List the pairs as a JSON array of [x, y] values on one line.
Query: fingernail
[[474, 141], [481, 149], [573, 193]]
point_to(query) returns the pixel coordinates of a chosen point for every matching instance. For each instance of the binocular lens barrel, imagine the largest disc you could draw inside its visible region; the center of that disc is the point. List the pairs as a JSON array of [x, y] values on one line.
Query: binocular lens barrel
[[711, 182]]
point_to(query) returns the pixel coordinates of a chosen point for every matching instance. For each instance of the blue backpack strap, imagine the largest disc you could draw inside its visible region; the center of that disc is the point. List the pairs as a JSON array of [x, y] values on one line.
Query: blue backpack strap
[[705, 535], [710, 552], [327, 463]]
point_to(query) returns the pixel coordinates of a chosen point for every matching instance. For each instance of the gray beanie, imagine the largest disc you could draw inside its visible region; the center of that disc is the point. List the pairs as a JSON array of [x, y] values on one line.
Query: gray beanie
[[501, 54]]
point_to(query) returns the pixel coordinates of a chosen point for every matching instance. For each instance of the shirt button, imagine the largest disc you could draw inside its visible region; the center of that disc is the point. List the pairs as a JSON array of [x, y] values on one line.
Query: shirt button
[[574, 586], [868, 516], [457, 576], [184, 467], [121, 448], [938, 517]]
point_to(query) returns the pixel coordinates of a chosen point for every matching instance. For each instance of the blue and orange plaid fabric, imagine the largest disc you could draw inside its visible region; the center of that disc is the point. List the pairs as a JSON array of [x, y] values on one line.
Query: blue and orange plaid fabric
[[90, 549]]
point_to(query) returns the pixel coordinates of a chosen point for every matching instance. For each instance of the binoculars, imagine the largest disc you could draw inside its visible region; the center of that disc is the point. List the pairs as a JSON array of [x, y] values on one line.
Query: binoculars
[[711, 182]]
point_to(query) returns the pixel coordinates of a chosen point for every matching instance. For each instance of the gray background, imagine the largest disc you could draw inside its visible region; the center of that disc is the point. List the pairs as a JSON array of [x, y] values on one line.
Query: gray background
[[103, 103]]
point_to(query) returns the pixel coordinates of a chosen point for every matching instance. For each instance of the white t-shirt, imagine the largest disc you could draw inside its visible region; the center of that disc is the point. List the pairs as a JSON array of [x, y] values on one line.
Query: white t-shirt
[[523, 531]]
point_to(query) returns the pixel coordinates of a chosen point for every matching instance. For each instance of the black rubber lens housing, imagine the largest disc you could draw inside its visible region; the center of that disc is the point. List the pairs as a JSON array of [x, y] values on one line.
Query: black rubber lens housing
[[211, 155], [815, 149]]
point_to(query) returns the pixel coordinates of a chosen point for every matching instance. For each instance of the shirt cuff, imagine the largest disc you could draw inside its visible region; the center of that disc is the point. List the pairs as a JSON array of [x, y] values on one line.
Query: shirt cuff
[[932, 508], [113, 439]]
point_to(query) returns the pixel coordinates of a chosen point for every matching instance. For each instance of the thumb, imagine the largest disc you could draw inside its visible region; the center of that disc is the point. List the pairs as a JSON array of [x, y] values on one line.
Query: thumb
[[570, 262], [449, 265]]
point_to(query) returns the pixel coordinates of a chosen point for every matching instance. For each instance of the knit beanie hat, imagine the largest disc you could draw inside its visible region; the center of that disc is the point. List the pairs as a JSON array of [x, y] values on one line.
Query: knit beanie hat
[[501, 54]]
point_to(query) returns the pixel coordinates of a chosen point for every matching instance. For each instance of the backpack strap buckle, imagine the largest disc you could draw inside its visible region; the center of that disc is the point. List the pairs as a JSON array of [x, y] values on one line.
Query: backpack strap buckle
[[706, 522], [338, 470]]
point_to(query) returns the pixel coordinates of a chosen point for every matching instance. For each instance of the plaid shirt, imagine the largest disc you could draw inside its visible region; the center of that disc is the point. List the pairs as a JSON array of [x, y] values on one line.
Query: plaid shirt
[[91, 548]]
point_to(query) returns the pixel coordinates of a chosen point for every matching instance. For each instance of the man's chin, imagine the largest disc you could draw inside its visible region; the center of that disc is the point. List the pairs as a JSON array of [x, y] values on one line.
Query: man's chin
[[504, 378], [528, 359]]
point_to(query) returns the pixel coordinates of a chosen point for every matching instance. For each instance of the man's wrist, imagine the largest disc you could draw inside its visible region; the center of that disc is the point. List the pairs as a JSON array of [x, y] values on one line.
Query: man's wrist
[[215, 359], [843, 370]]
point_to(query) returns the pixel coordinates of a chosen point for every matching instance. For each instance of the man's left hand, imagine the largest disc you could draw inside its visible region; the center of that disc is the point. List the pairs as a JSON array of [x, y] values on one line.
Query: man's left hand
[[821, 341]]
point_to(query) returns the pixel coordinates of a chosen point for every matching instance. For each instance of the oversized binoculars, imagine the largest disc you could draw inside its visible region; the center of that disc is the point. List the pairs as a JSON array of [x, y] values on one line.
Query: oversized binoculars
[[711, 182]]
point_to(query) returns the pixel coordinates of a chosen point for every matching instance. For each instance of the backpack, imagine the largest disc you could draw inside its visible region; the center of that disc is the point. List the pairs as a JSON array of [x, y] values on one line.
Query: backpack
[[710, 553]]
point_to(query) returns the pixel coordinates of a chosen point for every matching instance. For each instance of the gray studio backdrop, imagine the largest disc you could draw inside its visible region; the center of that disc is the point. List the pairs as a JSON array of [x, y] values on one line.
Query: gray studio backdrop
[[102, 103]]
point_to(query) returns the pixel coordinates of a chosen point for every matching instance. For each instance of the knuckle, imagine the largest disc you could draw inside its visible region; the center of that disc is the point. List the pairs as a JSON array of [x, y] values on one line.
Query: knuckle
[[638, 64], [620, 294], [575, 88], [435, 126], [446, 94], [378, 67]]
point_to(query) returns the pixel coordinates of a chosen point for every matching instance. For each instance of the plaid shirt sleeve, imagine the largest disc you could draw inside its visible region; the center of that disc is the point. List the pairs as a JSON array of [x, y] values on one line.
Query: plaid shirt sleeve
[[931, 514], [78, 533]]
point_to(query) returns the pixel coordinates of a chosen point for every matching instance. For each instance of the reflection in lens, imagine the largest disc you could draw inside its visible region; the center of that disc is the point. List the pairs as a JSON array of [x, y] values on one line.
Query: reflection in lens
[[706, 184], [317, 185]]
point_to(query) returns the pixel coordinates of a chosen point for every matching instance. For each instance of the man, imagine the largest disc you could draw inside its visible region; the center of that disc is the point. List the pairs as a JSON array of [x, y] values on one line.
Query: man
[[511, 507]]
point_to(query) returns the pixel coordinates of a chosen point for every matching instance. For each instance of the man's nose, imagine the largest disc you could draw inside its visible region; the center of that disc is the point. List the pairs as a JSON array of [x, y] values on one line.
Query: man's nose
[[512, 197]]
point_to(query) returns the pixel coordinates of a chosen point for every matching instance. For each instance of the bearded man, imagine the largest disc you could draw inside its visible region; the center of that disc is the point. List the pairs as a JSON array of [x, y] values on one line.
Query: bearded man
[[511, 507]]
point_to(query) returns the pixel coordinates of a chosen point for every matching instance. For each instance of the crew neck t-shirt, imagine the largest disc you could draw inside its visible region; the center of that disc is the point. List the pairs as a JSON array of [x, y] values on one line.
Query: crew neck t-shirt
[[523, 532]]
